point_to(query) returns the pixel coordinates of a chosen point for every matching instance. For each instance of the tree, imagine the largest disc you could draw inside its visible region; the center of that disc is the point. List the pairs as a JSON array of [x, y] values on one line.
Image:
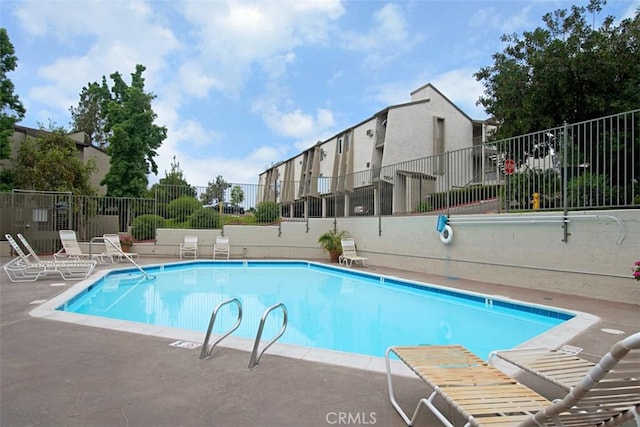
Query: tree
[[88, 117], [173, 185], [11, 109], [50, 163], [134, 138], [567, 71], [237, 195], [215, 191]]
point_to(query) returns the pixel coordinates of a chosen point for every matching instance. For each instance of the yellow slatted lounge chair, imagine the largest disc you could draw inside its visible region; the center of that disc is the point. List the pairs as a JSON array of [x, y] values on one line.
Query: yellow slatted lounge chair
[[28, 268], [113, 248], [349, 254], [475, 389], [221, 247], [189, 247], [608, 395]]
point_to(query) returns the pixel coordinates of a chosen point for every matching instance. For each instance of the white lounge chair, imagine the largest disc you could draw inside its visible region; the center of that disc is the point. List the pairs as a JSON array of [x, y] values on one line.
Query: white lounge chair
[[560, 366], [189, 246], [28, 268], [113, 248], [349, 254], [71, 248], [221, 247], [608, 395]]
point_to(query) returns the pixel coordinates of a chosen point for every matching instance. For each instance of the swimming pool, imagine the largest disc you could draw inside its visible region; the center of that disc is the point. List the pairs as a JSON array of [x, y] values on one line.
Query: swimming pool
[[329, 307]]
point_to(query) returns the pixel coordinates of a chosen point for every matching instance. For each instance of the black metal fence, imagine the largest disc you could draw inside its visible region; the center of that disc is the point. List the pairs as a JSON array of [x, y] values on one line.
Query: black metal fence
[[589, 165]]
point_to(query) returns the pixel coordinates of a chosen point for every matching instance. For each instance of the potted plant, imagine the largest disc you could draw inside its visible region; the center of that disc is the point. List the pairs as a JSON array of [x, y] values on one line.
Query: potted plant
[[330, 241], [126, 241]]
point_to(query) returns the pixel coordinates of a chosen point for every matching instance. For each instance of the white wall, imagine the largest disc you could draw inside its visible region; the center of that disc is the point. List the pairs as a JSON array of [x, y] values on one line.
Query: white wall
[[409, 133], [592, 263], [363, 146]]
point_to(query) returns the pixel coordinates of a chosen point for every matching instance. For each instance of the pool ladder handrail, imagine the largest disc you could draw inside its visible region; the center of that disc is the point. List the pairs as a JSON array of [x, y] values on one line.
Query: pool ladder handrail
[[127, 256], [206, 350], [255, 357]]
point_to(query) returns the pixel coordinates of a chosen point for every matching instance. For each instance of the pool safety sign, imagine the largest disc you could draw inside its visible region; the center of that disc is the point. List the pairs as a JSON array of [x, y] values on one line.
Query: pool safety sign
[[185, 344]]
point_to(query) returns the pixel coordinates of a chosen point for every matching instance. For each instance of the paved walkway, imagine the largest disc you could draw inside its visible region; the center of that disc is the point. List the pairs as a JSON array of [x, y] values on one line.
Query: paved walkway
[[63, 374]]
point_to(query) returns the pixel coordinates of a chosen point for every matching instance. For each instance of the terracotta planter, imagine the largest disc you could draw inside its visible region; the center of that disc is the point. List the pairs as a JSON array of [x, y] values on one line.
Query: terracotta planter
[[334, 255], [126, 249]]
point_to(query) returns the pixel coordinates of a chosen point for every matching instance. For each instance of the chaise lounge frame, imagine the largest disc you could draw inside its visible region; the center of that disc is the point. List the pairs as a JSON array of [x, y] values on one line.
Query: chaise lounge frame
[[29, 268], [349, 254], [608, 395]]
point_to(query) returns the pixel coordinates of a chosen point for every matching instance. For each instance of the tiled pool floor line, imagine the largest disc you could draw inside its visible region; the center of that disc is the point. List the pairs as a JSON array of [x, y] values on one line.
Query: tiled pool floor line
[[67, 373]]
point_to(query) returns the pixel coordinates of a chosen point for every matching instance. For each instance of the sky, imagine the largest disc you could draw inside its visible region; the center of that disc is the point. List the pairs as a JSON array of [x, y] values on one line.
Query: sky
[[241, 85]]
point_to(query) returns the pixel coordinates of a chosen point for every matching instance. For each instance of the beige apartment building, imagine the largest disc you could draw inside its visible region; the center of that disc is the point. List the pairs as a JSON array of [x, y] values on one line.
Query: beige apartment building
[[378, 166], [84, 151]]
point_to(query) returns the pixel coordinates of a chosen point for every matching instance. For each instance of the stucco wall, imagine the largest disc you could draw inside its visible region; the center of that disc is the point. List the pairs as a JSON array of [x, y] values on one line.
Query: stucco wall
[[103, 163], [595, 262]]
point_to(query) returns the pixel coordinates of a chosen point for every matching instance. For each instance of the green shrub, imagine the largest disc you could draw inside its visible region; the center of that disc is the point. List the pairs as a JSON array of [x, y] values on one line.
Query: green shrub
[[144, 226], [267, 212], [424, 207], [172, 223], [589, 190], [205, 218], [181, 208]]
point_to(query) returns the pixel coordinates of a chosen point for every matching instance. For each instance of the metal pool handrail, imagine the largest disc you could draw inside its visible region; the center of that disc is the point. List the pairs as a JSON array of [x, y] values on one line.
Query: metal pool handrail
[[206, 350], [255, 357], [127, 256]]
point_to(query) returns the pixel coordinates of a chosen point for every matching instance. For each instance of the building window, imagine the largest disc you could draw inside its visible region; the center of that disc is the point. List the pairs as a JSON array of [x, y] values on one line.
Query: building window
[[438, 144], [438, 135], [324, 184], [339, 145]]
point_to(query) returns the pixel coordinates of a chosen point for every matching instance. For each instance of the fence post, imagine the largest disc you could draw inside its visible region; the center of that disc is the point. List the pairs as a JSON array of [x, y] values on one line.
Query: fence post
[[565, 184]]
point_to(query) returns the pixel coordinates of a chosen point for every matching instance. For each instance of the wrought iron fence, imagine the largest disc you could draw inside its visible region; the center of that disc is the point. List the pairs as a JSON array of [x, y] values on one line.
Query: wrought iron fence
[[589, 165]]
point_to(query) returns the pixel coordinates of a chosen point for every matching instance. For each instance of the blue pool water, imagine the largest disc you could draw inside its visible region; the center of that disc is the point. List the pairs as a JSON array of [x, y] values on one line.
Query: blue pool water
[[329, 308]]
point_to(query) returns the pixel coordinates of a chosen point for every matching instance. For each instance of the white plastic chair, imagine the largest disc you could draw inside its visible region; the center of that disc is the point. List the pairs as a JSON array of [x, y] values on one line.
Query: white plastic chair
[[221, 247], [189, 247]]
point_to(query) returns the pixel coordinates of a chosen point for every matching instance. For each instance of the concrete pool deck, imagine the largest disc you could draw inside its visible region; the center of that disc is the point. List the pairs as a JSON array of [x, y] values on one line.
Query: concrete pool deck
[[62, 373]]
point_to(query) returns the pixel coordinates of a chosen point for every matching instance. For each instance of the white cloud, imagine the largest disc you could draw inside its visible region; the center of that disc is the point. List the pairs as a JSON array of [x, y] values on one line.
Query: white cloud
[[276, 66], [462, 89], [200, 170], [104, 36], [386, 40], [631, 10], [490, 18], [392, 93], [231, 36], [194, 81], [458, 85], [296, 124]]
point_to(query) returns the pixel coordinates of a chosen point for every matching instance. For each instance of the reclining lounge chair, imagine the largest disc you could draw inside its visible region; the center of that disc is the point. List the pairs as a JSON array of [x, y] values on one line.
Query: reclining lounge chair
[[349, 254], [28, 268], [559, 366], [113, 248], [71, 248], [480, 394]]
